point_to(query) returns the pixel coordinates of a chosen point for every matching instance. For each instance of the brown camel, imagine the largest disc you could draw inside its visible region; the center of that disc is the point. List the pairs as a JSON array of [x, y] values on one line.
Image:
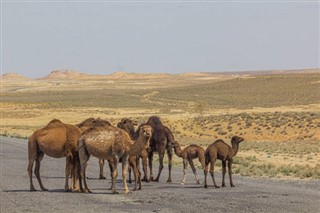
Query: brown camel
[[144, 156], [189, 153], [128, 125], [222, 151], [111, 143], [56, 140], [160, 141]]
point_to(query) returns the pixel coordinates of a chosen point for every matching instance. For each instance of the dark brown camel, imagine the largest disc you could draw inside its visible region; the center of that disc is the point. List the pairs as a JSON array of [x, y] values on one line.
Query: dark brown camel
[[56, 140], [222, 151], [160, 141], [189, 153]]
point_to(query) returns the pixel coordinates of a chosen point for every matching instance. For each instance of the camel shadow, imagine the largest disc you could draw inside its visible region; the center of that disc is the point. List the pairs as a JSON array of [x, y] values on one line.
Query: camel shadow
[[16, 190]]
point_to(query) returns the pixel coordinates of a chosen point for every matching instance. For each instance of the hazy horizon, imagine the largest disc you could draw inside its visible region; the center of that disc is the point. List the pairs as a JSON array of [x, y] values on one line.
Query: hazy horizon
[[158, 37]]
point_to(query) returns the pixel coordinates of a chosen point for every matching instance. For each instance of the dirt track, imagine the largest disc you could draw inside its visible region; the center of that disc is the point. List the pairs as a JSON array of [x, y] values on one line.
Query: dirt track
[[249, 195]]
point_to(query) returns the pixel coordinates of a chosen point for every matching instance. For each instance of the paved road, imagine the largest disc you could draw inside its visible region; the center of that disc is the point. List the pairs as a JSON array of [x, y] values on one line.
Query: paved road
[[249, 195]]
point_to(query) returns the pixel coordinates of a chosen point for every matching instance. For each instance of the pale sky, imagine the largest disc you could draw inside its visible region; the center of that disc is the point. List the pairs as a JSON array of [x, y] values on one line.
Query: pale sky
[[102, 37]]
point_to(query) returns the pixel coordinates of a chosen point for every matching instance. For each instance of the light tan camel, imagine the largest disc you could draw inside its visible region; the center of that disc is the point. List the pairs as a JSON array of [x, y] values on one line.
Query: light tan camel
[[111, 143], [187, 154], [90, 123], [56, 140], [222, 151]]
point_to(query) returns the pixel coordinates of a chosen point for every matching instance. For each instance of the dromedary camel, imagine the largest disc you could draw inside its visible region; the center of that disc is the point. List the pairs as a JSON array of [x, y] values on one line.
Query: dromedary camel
[[111, 143], [56, 140], [189, 153], [128, 125], [160, 141], [89, 123], [222, 151]]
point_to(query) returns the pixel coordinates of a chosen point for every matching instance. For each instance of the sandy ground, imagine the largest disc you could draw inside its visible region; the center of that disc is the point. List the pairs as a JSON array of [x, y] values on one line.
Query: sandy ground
[[249, 195]]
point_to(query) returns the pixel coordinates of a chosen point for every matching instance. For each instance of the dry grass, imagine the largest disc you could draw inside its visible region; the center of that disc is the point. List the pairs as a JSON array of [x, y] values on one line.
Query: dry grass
[[278, 115]]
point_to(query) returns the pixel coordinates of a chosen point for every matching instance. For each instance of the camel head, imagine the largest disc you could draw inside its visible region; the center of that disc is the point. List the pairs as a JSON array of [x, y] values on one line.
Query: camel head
[[127, 125], [237, 139], [146, 132]]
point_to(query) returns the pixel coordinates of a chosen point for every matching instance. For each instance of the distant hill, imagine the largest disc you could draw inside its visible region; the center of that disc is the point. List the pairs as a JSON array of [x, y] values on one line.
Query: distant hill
[[13, 76], [65, 75]]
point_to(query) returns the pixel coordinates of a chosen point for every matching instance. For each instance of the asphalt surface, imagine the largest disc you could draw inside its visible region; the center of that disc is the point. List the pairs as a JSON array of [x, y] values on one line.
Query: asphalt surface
[[249, 195]]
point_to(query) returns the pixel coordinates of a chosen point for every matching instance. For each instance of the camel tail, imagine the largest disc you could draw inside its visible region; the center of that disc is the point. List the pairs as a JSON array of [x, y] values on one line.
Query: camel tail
[[82, 150], [32, 147], [80, 143]]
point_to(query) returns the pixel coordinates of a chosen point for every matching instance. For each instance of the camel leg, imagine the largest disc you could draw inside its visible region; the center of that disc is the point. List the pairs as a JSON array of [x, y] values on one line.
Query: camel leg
[[129, 171], [150, 157], [203, 163], [37, 170], [75, 186], [206, 174], [115, 173], [230, 172], [212, 172], [32, 151], [145, 170], [110, 162], [185, 165], [169, 153], [134, 167], [30, 166], [224, 166], [161, 156], [67, 173], [84, 177], [84, 157], [194, 171], [124, 173], [101, 165], [79, 176]]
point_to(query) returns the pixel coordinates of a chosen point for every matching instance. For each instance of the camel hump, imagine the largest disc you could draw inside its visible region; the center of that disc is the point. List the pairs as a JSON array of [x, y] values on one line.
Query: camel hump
[[86, 122], [93, 122], [154, 121], [53, 121]]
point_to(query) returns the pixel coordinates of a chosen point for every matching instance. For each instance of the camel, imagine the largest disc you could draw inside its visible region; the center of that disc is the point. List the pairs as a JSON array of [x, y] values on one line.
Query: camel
[[222, 151], [56, 140], [88, 123], [111, 143], [160, 141], [128, 126], [189, 153]]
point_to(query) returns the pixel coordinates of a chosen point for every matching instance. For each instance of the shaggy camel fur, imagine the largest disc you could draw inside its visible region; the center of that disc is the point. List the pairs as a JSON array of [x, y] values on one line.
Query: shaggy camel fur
[[89, 123], [111, 143], [189, 153], [161, 140], [55, 140], [222, 151]]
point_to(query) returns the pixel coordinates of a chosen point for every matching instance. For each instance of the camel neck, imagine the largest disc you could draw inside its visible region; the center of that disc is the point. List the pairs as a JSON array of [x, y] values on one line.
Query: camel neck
[[235, 148], [177, 150], [138, 145]]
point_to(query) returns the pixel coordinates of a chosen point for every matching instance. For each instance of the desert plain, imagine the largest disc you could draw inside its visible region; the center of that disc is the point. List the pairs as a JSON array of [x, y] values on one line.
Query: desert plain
[[277, 112]]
